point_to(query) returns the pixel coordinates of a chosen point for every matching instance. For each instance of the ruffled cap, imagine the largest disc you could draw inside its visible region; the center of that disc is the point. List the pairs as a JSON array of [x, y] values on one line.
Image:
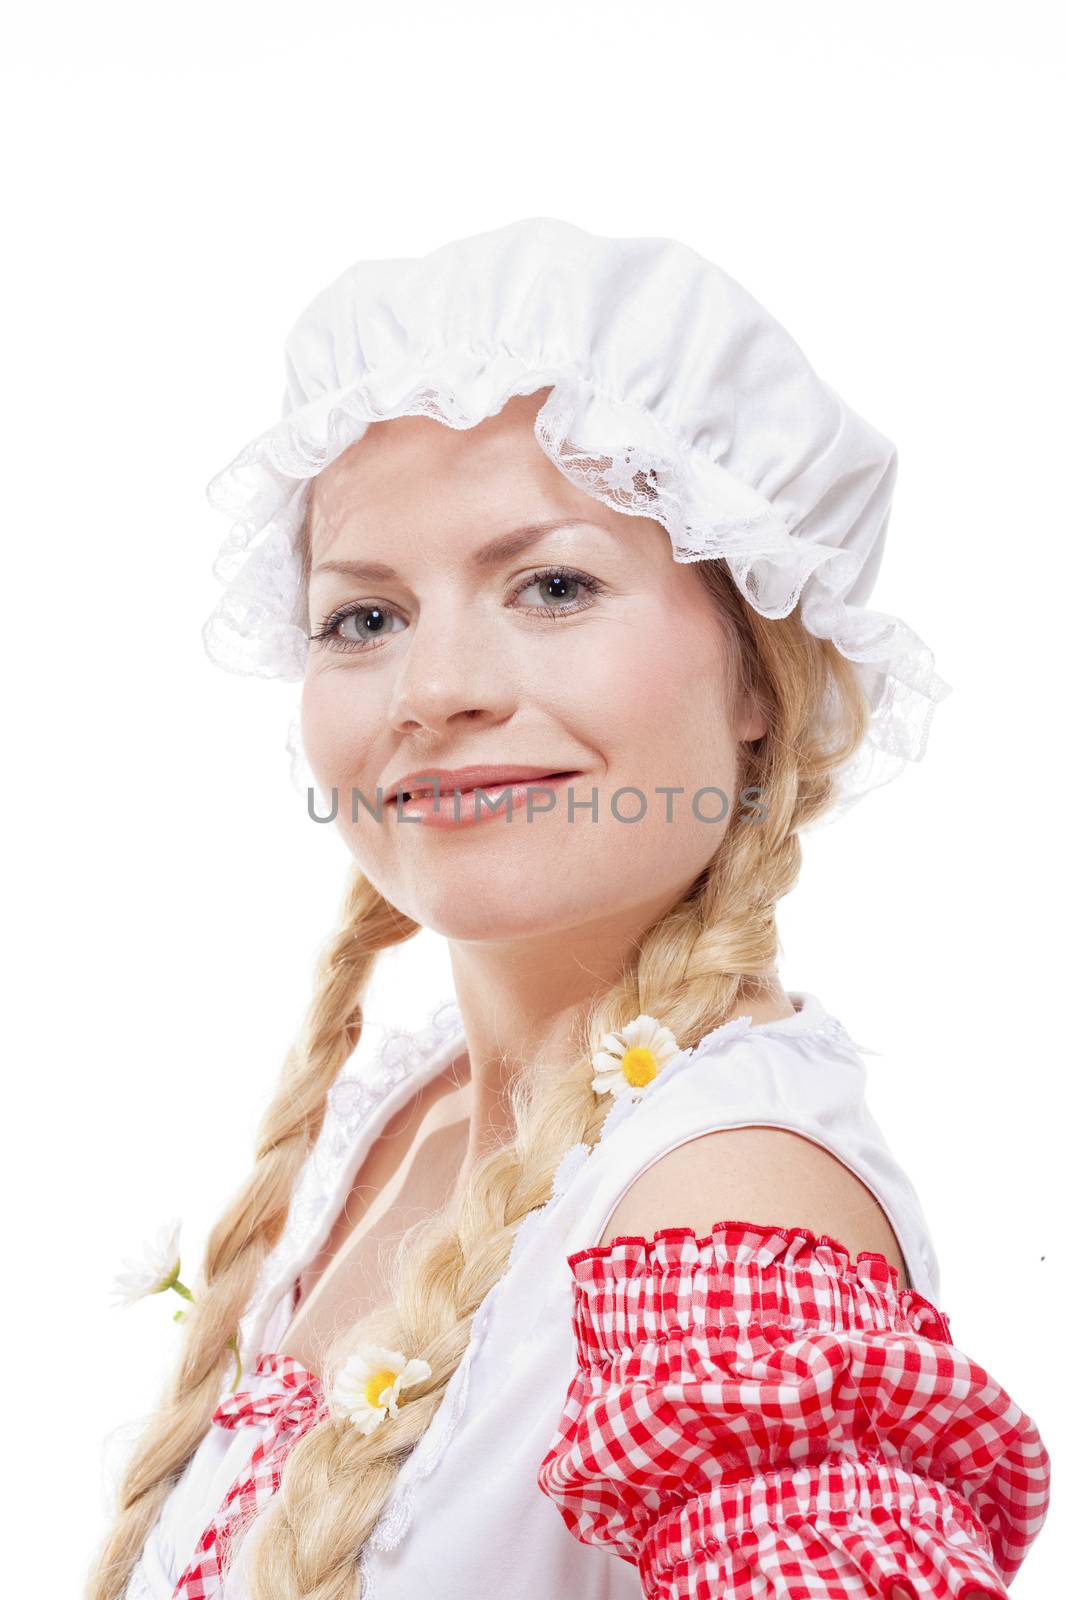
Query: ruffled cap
[[673, 394]]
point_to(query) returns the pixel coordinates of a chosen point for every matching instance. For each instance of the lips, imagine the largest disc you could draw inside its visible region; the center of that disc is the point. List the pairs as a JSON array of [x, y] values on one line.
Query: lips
[[465, 779]]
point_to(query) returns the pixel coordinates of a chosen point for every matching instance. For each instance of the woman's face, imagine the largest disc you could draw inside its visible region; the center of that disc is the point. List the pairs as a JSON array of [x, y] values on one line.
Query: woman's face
[[449, 655]]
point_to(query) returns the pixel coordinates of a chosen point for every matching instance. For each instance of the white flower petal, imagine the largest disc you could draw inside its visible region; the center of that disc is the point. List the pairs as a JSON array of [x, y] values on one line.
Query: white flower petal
[[354, 1370], [348, 1393], [350, 1401], [160, 1260], [414, 1371], [635, 1031], [380, 1356], [367, 1417], [642, 1032], [608, 1082], [664, 1045], [604, 1061]]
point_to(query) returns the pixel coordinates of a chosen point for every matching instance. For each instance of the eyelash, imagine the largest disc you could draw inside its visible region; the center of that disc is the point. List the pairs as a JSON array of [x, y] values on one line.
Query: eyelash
[[328, 635]]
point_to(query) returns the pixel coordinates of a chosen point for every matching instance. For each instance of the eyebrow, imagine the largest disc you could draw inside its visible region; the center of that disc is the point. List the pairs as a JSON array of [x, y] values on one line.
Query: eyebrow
[[503, 548]]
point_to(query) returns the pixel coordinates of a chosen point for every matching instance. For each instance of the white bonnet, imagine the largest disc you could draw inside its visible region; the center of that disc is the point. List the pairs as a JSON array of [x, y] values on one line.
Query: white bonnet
[[663, 370]]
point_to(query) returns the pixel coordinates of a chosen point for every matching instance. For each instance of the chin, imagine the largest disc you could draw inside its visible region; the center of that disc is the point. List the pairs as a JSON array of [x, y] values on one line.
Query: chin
[[486, 911], [484, 923]]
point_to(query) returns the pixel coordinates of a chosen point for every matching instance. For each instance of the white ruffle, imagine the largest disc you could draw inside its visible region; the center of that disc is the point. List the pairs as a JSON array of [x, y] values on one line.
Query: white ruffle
[[811, 534]]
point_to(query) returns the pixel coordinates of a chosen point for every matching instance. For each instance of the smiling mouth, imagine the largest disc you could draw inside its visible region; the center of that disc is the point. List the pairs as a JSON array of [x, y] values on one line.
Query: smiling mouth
[[426, 791]]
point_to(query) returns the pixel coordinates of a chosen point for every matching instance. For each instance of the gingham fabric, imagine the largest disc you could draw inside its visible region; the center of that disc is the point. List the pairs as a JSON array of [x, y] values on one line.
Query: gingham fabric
[[291, 1403], [754, 1415]]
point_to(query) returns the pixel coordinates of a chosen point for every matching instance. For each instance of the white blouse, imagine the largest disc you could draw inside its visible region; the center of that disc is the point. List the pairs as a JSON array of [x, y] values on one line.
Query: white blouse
[[479, 1523]]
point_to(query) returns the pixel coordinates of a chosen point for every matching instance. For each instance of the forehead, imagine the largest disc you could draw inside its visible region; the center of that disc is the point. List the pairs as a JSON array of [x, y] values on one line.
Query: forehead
[[422, 477]]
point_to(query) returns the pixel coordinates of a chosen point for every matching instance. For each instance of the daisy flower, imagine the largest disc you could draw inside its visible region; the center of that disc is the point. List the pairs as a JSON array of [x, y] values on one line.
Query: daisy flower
[[156, 1270], [368, 1386], [628, 1061]]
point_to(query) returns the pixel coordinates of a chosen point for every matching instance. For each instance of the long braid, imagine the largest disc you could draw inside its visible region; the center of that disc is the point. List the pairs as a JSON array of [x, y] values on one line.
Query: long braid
[[250, 1226]]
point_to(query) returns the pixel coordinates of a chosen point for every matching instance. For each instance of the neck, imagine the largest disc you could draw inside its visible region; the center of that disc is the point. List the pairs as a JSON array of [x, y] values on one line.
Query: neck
[[524, 1003]]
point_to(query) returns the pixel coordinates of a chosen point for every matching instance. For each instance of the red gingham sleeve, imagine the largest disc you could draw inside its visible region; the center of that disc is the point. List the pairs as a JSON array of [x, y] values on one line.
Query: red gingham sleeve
[[755, 1415]]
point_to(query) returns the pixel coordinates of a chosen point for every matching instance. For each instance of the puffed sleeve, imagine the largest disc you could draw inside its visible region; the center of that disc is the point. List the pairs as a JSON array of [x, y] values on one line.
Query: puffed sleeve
[[755, 1415]]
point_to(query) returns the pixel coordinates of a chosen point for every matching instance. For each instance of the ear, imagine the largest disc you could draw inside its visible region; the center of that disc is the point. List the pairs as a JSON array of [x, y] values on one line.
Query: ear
[[753, 723]]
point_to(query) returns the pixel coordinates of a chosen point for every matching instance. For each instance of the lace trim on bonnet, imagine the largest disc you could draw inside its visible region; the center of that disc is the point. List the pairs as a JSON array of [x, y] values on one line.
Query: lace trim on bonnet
[[615, 448], [251, 630]]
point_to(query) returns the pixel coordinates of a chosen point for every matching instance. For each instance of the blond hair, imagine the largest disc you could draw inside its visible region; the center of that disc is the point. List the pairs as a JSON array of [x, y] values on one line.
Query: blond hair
[[691, 970]]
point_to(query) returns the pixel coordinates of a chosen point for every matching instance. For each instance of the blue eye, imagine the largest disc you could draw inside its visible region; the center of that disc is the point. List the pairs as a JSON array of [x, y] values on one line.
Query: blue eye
[[377, 618], [558, 577]]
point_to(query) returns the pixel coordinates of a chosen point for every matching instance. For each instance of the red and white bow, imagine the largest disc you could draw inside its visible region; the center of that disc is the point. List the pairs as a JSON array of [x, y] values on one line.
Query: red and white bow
[[290, 1406]]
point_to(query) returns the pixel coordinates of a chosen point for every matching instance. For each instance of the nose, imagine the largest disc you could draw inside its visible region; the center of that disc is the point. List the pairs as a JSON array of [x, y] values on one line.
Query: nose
[[450, 667]]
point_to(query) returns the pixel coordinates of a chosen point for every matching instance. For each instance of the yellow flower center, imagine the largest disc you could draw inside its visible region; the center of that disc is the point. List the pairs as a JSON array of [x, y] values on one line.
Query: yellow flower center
[[380, 1381], [639, 1066]]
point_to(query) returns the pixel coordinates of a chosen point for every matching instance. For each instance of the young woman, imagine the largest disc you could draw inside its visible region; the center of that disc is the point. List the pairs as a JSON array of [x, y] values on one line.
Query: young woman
[[604, 1284]]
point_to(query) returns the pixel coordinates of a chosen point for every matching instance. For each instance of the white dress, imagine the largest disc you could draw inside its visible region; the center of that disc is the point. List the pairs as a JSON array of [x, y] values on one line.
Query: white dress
[[475, 1468]]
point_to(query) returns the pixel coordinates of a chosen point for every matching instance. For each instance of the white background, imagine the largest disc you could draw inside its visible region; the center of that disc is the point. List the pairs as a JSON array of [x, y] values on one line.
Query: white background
[[886, 179]]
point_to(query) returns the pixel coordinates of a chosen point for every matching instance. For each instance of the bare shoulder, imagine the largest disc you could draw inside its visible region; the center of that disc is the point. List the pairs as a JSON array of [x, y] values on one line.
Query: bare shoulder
[[764, 1175]]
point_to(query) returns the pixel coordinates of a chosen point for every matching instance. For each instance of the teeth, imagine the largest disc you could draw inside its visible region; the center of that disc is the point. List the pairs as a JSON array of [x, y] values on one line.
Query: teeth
[[418, 794]]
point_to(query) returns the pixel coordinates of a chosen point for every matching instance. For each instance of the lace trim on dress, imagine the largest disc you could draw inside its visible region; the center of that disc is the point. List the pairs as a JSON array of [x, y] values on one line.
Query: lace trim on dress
[[353, 1098]]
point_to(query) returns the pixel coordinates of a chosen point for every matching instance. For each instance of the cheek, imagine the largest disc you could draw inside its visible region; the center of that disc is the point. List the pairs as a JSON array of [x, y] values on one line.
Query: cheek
[[662, 705], [337, 733]]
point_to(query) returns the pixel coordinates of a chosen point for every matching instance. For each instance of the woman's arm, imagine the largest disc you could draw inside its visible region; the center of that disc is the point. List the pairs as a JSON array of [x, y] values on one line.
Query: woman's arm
[[758, 1412]]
